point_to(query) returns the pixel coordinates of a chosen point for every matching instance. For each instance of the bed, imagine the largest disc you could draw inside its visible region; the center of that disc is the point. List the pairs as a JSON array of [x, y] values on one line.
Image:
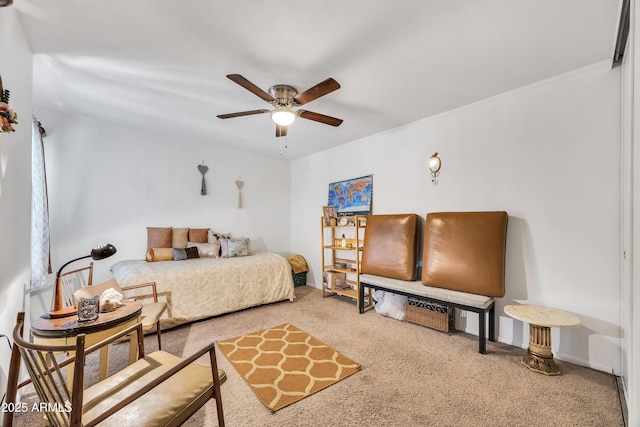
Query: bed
[[203, 287]]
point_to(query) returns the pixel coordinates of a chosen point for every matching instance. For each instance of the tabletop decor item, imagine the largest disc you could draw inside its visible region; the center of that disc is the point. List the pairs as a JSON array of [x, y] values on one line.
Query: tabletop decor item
[[88, 308], [330, 215], [8, 117], [100, 251]]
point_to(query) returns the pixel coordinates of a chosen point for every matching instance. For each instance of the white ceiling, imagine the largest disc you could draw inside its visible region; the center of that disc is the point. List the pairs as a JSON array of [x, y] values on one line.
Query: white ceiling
[[162, 64]]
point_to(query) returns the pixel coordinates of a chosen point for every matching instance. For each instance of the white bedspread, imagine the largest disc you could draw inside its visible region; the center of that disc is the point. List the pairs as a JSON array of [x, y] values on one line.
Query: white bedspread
[[203, 287]]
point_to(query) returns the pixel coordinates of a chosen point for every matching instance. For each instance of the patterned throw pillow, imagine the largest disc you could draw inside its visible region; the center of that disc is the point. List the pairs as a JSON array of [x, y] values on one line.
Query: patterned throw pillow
[[235, 247], [221, 238], [214, 236], [192, 252], [210, 250]]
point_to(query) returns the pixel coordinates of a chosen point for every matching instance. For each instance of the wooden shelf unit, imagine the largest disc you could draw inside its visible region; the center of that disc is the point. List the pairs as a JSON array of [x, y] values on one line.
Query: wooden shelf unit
[[333, 252]]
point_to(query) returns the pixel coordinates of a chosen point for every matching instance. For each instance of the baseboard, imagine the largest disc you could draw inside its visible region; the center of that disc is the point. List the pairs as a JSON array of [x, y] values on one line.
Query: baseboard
[[622, 397]]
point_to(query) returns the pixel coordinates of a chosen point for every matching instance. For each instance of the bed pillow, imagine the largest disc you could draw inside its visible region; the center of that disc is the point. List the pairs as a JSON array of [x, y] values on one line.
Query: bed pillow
[[159, 237], [198, 235], [214, 236], [192, 252], [207, 250], [159, 254], [221, 238], [179, 254], [179, 237], [230, 248]]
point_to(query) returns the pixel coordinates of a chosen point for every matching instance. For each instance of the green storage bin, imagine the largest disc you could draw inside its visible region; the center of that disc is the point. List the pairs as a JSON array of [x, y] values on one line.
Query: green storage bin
[[299, 279]]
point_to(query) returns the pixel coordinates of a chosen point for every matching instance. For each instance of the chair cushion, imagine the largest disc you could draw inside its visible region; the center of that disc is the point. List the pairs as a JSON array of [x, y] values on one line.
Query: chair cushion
[[465, 251], [170, 403], [391, 246], [418, 289], [98, 289], [151, 312]]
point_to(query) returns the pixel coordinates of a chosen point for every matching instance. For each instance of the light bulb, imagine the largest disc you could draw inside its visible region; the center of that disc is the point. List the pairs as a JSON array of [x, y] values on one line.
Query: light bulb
[[283, 116]]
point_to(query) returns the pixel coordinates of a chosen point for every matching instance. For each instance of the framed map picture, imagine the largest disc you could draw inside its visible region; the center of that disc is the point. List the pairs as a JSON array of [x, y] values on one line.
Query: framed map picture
[[352, 196]]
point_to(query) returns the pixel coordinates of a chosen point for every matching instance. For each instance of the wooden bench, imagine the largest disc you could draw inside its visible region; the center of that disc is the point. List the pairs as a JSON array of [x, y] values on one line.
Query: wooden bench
[[466, 301]]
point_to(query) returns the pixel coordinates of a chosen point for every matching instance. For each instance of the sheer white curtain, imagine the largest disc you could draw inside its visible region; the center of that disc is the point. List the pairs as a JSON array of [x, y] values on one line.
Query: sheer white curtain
[[40, 260]]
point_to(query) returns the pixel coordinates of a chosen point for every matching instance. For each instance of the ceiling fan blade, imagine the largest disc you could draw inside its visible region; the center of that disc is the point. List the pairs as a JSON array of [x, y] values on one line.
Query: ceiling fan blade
[[316, 117], [317, 91], [281, 131], [250, 87], [242, 113]]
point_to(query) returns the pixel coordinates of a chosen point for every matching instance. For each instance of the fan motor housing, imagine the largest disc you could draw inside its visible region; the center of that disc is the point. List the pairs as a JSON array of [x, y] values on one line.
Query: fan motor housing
[[283, 92]]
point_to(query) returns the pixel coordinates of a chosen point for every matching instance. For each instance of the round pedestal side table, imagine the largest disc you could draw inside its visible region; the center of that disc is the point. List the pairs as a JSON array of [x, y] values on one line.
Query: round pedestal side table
[[539, 357]]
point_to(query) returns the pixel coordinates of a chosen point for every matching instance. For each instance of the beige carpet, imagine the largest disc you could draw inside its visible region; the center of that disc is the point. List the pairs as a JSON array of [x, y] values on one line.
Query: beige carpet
[[283, 364], [410, 375]]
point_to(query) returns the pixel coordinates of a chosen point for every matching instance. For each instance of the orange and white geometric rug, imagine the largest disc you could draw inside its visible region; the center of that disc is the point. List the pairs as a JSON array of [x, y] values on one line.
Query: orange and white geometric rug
[[284, 364]]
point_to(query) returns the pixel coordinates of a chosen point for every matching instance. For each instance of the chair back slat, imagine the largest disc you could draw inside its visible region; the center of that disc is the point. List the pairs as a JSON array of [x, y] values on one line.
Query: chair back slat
[[47, 377], [49, 385], [73, 281]]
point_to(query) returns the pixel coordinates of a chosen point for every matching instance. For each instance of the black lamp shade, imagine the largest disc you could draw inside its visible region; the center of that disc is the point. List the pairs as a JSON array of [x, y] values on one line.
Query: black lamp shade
[[103, 251]]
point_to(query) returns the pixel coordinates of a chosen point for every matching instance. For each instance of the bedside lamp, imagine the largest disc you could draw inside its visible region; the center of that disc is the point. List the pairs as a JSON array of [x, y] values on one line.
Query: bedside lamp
[[101, 251]]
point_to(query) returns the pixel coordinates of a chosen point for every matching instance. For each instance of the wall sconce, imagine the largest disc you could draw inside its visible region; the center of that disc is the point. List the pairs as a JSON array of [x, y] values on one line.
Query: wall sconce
[[434, 167]]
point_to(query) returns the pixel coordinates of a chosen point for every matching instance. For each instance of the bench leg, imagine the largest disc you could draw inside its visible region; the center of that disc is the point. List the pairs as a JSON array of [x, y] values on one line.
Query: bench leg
[[361, 298], [482, 338], [492, 323]]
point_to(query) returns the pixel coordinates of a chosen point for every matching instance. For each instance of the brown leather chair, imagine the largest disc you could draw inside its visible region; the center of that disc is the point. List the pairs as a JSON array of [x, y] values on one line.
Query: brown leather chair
[[158, 389]]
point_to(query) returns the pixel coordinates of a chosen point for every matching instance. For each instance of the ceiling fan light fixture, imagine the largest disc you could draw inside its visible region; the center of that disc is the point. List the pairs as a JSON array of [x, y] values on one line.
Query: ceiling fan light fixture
[[283, 116]]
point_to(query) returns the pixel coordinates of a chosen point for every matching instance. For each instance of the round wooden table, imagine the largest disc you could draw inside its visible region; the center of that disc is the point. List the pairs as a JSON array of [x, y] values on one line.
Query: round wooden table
[[63, 331], [539, 357]]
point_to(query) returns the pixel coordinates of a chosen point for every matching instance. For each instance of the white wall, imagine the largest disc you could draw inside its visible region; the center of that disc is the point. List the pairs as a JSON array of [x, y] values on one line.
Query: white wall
[[549, 155], [107, 184], [631, 267], [15, 181]]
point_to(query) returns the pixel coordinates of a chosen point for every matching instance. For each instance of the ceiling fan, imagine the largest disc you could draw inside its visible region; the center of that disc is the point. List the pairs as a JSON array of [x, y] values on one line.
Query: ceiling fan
[[284, 98]]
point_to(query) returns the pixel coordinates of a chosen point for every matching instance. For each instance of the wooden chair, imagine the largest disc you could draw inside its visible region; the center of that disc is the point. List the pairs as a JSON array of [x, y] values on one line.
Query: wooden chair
[[73, 281], [151, 311], [158, 389]]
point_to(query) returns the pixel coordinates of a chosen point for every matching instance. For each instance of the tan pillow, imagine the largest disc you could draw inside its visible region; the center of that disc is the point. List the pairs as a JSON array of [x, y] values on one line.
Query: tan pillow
[[159, 237], [179, 238], [159, 254], [198, 235]]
